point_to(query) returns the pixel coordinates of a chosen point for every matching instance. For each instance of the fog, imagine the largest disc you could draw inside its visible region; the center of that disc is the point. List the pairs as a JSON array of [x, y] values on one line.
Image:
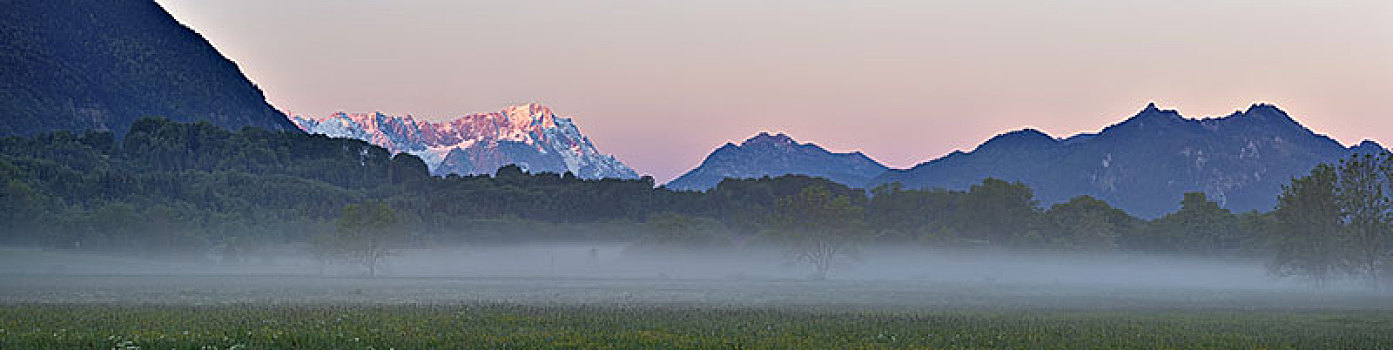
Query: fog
[[616, 273], [612, 260]]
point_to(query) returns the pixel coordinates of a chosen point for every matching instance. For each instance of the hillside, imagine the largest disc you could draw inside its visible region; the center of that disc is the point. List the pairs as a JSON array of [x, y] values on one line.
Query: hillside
[[89, 64]]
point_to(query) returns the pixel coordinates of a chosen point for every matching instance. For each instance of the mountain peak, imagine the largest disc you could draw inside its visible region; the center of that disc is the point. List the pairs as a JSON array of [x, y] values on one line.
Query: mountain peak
[[1029, 133], [1028, 137], [530, 108], [1368, 147], [531, 113], [1152, 111], [1264, 107], [764, 138], [777, 154], [1266, 112], [1149, 116]]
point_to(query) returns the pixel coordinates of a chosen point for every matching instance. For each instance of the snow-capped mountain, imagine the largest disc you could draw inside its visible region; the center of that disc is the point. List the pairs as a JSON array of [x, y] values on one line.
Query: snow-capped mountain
[[529, 135]]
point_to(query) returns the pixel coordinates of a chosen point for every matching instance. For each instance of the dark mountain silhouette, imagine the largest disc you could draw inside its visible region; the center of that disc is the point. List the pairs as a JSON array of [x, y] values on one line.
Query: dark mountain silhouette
[[1145, 164], [96, 64], [775, 155]]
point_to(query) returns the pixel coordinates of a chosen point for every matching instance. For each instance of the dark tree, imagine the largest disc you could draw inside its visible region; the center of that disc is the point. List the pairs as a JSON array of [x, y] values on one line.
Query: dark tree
[[999, 212], [1086, 223], [1310, 241]]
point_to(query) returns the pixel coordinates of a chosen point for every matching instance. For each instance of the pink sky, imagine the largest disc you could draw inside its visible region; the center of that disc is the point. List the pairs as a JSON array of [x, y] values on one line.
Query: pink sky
[[661, 84]]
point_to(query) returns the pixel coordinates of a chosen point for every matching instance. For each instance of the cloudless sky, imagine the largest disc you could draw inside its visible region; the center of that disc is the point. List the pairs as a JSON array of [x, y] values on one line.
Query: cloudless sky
[[660, 84]]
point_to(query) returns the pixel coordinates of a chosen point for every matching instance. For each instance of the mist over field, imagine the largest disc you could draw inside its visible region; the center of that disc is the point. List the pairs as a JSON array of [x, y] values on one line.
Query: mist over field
[[614, 273]]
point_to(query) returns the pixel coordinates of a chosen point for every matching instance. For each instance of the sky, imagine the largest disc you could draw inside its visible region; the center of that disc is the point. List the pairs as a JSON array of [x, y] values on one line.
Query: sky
[[660, 84]]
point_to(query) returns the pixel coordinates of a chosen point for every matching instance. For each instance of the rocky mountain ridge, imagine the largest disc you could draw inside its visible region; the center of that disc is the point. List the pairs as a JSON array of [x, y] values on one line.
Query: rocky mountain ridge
[[529, 135]]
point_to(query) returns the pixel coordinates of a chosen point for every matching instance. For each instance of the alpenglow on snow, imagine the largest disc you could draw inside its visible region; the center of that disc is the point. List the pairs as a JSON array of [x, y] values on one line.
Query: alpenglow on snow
[[529, 135]]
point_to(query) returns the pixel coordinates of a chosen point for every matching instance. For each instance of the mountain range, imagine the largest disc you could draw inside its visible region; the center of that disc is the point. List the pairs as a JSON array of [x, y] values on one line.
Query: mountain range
[[100, 65], [1143, 165], [529, 135], [775, 155]]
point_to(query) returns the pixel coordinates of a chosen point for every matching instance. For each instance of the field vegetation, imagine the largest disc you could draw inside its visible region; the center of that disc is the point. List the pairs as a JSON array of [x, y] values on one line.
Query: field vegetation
[[491, 326]]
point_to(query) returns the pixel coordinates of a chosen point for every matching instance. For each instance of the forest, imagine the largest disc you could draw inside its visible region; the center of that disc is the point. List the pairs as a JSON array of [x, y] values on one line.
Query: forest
[[184, 189]]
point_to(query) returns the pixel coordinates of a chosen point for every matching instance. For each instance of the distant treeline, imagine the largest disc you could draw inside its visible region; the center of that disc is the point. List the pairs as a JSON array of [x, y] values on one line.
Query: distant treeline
[[171, 187]]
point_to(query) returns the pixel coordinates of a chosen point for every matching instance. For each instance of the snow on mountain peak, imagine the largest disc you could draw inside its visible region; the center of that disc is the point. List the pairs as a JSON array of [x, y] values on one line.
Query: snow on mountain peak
[[531, 114], [530, 135]]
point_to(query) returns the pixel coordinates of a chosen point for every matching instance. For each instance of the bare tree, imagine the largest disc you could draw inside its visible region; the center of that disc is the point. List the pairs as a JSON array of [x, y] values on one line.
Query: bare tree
[[365, 235], [818, 228]]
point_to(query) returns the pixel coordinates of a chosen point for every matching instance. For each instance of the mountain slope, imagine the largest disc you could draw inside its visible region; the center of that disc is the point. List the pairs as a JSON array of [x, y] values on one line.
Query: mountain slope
[[1145, 164], [91, 64], [530, 135], [775, 155]]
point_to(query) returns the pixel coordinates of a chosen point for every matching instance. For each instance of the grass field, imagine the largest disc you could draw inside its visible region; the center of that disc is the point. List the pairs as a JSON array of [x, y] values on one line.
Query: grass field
[[54, 326]]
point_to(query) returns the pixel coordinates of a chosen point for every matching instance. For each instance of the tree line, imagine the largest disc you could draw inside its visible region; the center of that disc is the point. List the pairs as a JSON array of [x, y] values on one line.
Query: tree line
[[189, 188]]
